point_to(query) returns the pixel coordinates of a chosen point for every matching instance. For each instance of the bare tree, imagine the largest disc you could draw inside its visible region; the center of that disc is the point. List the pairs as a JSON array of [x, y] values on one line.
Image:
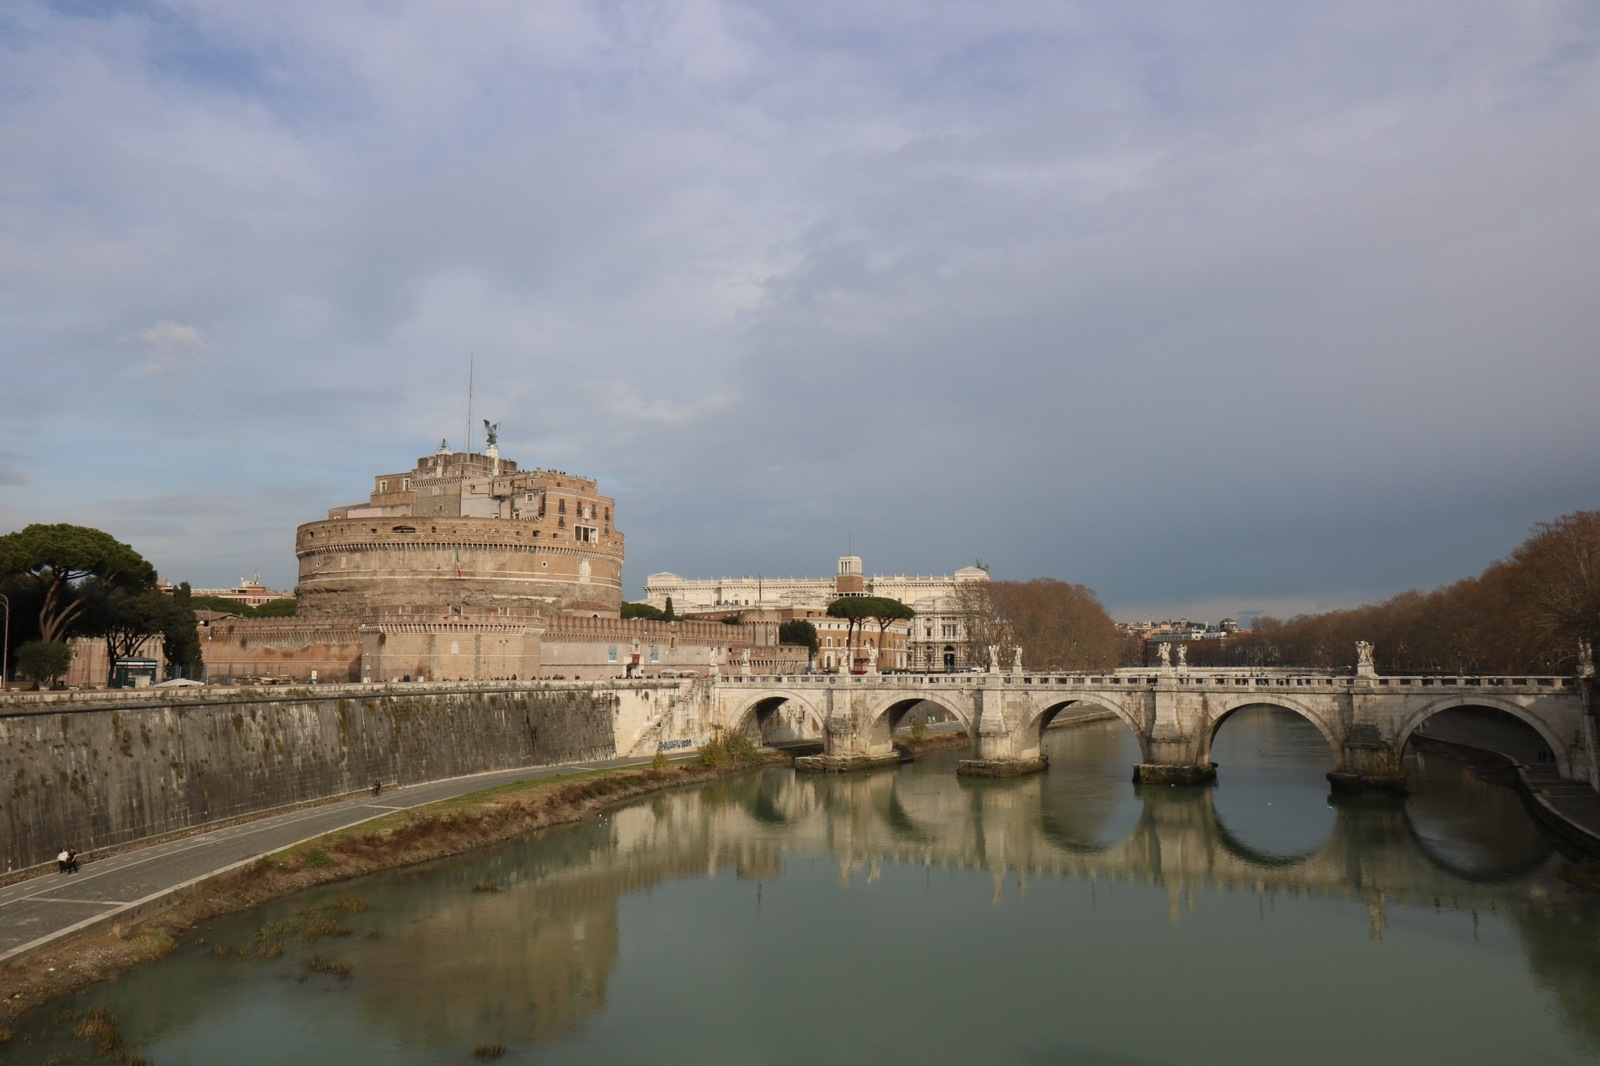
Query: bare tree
[[1058, 625]]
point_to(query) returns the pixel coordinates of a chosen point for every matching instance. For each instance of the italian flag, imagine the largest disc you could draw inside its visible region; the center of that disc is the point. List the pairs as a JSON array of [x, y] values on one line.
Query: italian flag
[[458, 562]]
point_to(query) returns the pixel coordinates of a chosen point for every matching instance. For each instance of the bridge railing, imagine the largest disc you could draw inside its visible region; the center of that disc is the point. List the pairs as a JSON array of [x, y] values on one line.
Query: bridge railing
[[1153, 678]]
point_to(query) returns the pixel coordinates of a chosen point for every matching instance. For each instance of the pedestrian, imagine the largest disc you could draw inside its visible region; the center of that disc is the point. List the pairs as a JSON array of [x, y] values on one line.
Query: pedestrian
[[62, 860], [72, 860], [377, 786]]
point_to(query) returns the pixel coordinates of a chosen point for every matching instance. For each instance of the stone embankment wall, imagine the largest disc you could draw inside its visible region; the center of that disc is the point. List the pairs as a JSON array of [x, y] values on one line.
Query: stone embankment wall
[[96, 775]]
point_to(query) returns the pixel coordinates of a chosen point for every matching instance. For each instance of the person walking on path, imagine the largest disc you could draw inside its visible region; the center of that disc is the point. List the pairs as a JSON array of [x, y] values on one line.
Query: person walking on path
[[62, 860]]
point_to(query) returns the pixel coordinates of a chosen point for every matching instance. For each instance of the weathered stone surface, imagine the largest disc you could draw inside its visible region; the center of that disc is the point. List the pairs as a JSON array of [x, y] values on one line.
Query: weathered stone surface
[[94, 777]]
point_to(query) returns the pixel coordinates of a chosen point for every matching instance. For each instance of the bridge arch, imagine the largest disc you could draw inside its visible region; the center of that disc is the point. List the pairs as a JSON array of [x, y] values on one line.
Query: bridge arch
[[884, 718], [1516, 710], [1280, 702], [1032, 736], [751, 718]]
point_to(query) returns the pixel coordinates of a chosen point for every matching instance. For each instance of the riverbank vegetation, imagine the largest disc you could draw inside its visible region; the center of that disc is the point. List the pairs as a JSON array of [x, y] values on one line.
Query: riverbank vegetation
[[404, 838]]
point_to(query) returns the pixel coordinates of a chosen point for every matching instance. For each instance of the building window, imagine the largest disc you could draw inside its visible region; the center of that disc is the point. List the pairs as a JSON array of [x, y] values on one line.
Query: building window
[[405, 483], [585, 534], [561, 507], [383, 486]]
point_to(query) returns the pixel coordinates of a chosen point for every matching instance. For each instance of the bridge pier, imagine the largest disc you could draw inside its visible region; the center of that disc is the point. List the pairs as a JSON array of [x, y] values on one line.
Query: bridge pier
[[1001, 767], [1369, 765], [844, 764], [1176, 748], [1160, 773], [847, 743], [998, 747]]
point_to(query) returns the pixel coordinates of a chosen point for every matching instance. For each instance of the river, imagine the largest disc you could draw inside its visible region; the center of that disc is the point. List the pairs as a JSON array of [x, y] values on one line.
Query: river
[[907, 915]]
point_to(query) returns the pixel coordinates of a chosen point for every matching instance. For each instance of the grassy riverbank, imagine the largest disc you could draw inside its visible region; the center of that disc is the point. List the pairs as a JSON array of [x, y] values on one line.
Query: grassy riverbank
[[450, 827]]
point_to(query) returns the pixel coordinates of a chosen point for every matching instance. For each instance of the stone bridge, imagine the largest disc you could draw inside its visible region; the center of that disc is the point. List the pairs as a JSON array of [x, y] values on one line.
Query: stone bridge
[[1366, 718]]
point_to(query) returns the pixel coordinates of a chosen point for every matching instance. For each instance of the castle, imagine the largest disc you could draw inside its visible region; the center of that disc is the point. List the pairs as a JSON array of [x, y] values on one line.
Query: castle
[[468, 568], [465, 530]]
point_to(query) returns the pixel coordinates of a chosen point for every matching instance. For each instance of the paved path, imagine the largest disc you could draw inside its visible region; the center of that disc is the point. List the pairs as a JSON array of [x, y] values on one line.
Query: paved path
[[41, 909]]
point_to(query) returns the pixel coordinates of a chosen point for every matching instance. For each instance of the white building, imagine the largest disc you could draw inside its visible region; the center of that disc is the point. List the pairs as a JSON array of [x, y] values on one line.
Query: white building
[[937, 639]]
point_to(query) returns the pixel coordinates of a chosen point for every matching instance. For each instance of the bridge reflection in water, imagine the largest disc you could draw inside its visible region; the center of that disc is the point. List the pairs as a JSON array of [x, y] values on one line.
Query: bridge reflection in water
[[1269, 831], [574, 929]]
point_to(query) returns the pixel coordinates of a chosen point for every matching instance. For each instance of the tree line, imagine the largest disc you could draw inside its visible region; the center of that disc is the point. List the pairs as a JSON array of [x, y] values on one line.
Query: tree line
[[1525, 614]]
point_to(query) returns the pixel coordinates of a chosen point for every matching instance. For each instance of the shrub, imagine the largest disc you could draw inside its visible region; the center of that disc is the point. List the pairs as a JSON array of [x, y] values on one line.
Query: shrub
[[728, 749]]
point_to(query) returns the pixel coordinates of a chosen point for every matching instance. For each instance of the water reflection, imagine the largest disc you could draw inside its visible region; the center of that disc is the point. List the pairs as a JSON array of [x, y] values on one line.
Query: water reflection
[[528, 944]]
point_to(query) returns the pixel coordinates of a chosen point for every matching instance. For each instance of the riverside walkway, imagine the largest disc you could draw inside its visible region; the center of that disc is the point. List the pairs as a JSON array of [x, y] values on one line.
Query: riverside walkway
[[133, 882]]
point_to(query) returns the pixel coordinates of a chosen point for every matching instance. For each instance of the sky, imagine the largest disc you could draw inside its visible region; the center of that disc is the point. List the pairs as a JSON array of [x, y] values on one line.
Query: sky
[[1217, 309]]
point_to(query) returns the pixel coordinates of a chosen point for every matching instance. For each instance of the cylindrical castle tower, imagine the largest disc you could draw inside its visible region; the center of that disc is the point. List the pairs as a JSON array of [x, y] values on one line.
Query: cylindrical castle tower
[[465, 530]]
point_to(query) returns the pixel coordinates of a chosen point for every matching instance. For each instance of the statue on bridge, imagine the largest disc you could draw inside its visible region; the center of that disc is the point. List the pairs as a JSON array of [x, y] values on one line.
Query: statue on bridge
[[1164, 651], [994, 658], [1585, 659], [1364, 657], [1016, 659], [1183, 656]]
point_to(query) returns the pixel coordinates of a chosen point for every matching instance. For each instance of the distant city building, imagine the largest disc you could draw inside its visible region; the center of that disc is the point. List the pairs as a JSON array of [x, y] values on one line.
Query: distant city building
[[1175, 631], [936, 639], [1179, 629], [249, 591]]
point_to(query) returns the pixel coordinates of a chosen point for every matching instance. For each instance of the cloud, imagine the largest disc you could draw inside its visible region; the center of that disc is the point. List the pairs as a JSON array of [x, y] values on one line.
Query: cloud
[[1287, 306], [167, 349]]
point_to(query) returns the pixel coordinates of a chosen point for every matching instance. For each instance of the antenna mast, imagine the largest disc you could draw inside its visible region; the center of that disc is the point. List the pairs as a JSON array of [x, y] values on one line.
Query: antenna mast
[[469, 402]]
